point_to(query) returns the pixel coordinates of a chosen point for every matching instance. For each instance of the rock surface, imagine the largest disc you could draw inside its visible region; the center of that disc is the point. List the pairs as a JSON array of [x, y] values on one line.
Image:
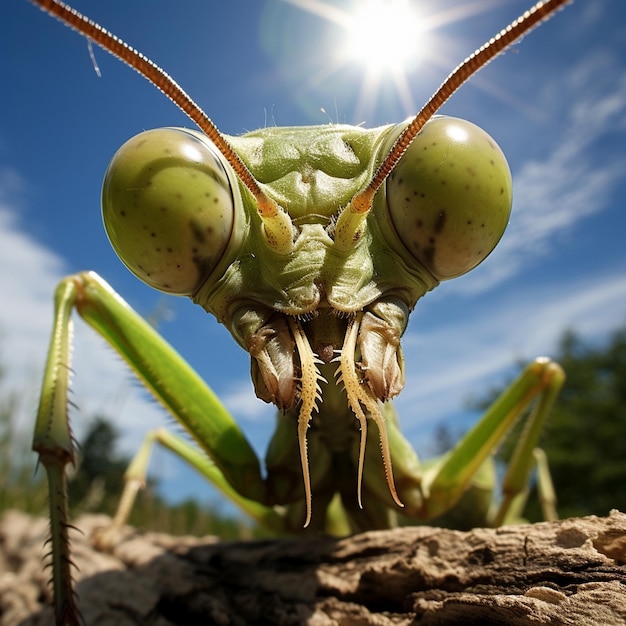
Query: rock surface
[[568, 572]]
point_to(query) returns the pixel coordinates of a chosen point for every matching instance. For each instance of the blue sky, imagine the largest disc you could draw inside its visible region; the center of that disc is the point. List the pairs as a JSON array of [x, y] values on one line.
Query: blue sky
[[556, 104]]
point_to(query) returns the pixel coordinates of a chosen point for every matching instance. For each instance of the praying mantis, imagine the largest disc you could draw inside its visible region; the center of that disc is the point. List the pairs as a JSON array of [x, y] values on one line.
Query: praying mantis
[[312, 245]]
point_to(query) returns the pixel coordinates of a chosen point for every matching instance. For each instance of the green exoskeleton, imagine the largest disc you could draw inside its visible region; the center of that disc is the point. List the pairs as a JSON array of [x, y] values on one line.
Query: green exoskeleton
[[312, 246]]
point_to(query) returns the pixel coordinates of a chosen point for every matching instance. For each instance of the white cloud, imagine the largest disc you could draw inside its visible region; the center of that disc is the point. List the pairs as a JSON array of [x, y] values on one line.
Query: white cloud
[[242, 402]]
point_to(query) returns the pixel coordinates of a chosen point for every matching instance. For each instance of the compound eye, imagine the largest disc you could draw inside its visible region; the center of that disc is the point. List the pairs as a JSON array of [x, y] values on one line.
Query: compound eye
[[450, 196], [168, 208]]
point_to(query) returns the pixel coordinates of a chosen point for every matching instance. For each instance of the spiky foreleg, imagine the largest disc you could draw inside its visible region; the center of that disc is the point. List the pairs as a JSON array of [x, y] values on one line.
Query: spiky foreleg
[[54, 444]]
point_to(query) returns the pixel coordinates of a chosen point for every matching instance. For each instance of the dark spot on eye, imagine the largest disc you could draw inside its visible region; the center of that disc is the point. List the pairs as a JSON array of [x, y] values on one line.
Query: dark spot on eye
[[202, 265], [178, 195], [491, 161], [123, 213], [215, 200], [157, 249], [469, 222], [407, 200], [429, 254], [440, 222], [163, 209], [152, 234], [419, 223], [415, 193], [431, 241], [170, 250], [443, 182], [471, 171], [197, 232], [209, 230], [166, 285], [501, 190], [400, 181], [482, 225]]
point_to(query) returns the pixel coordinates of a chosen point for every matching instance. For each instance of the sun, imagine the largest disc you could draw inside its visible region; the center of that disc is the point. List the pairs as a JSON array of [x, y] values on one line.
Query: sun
[[384, 38], [383, 35], [387, 41]]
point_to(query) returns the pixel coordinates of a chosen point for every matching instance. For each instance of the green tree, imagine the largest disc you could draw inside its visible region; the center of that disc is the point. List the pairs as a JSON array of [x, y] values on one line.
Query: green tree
[[99, 480]]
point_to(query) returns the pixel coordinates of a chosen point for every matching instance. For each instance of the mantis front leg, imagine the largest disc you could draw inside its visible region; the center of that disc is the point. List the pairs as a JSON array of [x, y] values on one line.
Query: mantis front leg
[[171, 380]]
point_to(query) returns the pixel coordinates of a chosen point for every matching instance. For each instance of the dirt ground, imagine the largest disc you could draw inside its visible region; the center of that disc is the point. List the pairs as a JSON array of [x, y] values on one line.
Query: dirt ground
[[568, 572]]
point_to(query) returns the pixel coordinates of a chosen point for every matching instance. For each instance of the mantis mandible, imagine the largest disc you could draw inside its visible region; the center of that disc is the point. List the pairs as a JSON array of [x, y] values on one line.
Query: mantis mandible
[[312, 245]]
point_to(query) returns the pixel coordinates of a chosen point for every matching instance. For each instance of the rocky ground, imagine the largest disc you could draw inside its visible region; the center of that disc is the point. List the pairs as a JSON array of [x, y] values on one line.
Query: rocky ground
[[568, 572]]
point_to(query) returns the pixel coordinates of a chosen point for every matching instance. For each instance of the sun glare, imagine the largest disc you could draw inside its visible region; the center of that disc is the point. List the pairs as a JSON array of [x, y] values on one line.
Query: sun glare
[[383, 35], [386, 41]]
